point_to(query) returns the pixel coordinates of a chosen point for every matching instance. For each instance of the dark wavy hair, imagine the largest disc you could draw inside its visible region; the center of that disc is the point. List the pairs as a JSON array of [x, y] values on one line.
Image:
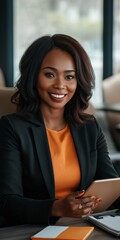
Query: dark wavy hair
[[27, 99]]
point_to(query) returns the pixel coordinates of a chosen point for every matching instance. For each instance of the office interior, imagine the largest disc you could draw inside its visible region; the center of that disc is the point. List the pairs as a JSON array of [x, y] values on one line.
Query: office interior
[[95, 23]]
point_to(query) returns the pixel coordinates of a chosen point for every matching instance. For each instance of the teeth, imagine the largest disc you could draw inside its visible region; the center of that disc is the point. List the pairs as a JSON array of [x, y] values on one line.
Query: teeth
[[57, 96]]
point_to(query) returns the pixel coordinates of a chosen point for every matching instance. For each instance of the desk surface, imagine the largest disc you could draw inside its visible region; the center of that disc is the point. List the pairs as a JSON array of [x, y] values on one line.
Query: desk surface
[[21, 232], [24, 232]]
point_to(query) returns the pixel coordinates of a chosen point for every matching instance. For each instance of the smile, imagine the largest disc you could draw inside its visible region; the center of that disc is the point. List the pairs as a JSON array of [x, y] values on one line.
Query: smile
[[58, 95]]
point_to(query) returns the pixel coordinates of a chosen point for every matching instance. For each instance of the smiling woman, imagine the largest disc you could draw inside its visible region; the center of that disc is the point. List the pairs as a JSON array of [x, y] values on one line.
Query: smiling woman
[[43, 51], [51, 150]]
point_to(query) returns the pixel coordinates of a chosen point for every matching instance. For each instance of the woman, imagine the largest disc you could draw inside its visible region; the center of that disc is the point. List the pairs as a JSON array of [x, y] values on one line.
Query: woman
[[50, 149]]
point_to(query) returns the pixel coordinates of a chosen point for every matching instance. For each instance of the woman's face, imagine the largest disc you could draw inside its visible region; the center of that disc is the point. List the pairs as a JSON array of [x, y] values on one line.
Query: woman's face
[[57, 81]]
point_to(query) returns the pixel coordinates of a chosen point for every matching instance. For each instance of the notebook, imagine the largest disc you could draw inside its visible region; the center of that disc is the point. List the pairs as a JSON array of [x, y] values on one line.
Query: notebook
[[64, 232], [107, 220]]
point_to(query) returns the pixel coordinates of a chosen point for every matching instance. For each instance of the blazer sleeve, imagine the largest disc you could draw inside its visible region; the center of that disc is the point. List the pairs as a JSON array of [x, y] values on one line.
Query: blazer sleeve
[[13, 205]]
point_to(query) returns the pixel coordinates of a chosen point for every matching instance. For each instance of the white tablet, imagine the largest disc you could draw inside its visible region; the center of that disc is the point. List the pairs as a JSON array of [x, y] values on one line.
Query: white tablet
[[107, 189]]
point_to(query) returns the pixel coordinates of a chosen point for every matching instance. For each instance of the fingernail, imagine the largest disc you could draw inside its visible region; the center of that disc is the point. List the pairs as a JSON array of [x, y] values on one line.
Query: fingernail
[[93, 198], [80, 193]]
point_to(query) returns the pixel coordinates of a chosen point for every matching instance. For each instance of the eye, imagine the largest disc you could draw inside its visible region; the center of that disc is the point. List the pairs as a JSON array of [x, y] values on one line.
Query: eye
[[69, 77], [49, 75]]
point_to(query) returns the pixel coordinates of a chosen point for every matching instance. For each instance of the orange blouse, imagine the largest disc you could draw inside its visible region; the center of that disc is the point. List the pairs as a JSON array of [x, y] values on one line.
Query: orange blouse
[[65, 161]]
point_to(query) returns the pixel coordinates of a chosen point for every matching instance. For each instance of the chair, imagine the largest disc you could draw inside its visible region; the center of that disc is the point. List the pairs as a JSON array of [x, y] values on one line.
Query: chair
[[111, 94], [6, 106]]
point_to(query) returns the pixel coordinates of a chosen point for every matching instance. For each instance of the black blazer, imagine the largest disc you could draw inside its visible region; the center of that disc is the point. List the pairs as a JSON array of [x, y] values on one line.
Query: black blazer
[[26, 175]]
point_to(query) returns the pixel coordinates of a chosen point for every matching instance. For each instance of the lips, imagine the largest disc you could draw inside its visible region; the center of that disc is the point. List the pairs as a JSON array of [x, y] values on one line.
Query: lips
[[57, 97]]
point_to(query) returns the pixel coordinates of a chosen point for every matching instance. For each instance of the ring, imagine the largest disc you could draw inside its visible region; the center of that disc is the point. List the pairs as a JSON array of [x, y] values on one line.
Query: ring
[[80, 206]]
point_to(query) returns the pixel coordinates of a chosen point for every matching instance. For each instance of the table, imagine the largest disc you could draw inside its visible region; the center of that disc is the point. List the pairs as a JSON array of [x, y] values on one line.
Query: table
[[21, 232], [24, 232]]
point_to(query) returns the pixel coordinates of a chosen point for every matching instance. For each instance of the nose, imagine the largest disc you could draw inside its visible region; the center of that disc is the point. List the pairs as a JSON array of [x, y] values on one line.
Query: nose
[[59, 83]]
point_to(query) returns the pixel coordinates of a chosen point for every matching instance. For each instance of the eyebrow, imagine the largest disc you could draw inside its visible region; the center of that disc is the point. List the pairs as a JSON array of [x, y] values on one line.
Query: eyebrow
[[55, 69]]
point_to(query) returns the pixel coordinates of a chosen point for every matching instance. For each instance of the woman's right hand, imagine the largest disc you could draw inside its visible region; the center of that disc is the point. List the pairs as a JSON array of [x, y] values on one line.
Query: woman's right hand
[[75, 205]]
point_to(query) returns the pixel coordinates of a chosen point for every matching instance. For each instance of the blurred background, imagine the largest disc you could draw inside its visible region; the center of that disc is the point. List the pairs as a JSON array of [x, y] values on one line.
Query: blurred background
[[95, 23]]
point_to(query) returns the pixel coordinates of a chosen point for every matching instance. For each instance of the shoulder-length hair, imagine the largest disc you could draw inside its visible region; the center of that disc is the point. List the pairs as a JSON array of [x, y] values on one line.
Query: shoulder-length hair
[[27, 99]]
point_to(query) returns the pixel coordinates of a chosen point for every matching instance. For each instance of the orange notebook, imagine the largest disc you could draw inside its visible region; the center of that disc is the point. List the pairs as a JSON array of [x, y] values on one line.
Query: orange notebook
[[63, 233]]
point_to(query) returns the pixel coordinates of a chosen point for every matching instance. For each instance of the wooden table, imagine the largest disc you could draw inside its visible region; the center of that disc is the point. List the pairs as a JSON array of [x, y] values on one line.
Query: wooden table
[[24, 232]]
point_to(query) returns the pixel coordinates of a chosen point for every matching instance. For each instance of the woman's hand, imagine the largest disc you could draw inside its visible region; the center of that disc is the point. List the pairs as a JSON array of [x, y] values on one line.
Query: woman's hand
[[75, 205]]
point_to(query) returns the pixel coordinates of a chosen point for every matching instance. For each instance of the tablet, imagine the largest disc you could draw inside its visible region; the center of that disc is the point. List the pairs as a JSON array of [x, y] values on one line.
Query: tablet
[[107, 189]]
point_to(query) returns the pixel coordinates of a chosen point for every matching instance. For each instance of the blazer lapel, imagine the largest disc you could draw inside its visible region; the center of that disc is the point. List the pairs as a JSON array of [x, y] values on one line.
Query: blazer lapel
[[42, 147], [78, 133]]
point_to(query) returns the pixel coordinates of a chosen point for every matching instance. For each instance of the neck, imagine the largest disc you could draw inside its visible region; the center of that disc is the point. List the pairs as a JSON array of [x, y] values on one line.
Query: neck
[[54, 118]]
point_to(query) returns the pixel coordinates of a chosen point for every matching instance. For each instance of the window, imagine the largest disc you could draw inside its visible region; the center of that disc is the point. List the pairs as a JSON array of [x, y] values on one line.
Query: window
[[80, 19]]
